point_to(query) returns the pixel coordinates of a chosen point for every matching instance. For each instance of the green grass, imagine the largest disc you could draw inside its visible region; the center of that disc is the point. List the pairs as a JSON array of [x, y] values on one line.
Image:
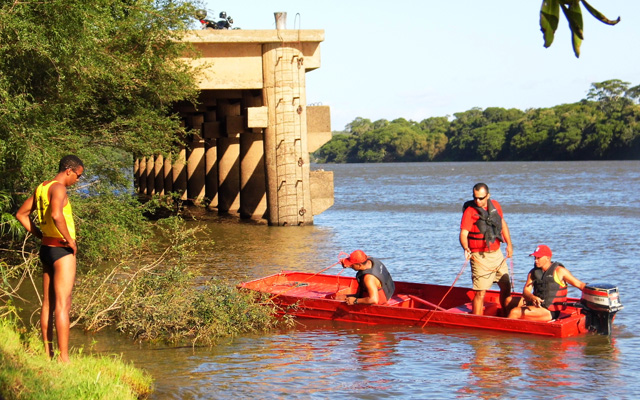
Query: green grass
[[27, 373]]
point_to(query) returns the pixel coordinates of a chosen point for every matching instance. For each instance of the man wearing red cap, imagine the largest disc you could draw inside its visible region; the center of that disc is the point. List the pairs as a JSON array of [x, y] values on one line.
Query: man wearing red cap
[[481, 230], [375, 285], [549, 281]]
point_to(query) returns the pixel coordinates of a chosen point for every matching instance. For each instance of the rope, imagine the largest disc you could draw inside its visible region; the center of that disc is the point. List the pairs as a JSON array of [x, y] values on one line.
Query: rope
[[511, 272], [466, 261], [309, 277]]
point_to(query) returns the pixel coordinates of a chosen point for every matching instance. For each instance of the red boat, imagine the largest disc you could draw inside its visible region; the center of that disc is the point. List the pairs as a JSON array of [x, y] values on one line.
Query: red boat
[[314, 296]]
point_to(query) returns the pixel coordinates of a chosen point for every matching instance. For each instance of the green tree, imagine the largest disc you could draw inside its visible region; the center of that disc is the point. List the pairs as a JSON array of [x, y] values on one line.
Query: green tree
[[97, 79], [359, 126], [87, 78], [533, 134]]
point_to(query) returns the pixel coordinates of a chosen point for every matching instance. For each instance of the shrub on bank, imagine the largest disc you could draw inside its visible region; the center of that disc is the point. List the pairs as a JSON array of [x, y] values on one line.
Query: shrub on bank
[[26, 372], [164, 300]]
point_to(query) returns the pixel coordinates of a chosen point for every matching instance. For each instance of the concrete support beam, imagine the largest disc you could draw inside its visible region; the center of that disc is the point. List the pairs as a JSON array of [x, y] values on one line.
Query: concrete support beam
[[318, 127], [151, 177], [180, 174], [142, 183], [211, 172], [158, 173], [321, 190], [228, 149], [257, 117], [228, 175], [136, 174], [286, 154], [167, 173], [196, 172]]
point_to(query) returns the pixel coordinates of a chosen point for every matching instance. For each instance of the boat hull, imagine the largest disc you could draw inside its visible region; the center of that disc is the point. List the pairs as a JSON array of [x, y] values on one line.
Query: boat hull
[[317, 296]]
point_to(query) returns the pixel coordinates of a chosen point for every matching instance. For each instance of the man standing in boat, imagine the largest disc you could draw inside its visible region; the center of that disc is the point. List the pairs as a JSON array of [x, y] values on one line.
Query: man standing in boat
[[375, 285], [482, 229], [549, 281]]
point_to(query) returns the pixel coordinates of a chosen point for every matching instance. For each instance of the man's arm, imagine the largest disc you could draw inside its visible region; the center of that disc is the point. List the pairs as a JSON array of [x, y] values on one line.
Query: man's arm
[[527, 293], [565, 275], [58, 200], [23, 215], [371, 283], [464, 242], [507, 238]]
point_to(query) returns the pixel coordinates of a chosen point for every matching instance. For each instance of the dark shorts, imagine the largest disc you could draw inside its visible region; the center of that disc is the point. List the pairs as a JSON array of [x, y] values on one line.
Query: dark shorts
[[49, 255], [555, 314]]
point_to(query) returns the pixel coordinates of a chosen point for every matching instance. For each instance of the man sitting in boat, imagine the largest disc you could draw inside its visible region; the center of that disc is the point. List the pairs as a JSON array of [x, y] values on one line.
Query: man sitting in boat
[[549, 282], [375, 285]]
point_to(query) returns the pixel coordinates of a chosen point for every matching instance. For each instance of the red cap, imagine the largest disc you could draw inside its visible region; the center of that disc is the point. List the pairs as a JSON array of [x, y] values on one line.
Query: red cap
[[541, 251], [357, 257]]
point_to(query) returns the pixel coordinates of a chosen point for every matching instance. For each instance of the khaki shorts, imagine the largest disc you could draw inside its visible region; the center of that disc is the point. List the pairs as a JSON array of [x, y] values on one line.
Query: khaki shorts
[[487, 268]]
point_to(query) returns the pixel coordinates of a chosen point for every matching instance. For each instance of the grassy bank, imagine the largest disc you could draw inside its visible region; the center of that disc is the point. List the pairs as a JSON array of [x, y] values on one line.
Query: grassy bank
[[27, 373]]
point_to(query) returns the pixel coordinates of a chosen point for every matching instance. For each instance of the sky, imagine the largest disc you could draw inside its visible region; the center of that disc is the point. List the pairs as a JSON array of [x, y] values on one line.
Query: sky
[[422, 59]]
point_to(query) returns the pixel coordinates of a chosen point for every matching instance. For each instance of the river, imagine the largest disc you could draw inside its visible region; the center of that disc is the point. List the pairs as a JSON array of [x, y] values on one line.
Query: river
[[408, 214]]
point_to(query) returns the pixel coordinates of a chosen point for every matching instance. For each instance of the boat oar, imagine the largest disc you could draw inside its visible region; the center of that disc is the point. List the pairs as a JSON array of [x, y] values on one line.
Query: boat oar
[[296, 286], [466, 261]]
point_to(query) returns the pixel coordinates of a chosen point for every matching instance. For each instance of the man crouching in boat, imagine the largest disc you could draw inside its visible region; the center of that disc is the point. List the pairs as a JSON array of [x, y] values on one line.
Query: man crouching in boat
[[549, 281], [375, 285]]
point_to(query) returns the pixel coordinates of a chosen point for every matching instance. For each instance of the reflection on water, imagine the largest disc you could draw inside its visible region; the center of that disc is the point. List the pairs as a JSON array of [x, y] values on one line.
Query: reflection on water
[[408, 215]]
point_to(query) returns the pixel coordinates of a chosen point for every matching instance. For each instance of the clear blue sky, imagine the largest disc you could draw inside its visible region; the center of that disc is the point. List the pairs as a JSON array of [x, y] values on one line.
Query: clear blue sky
[[421, 59]]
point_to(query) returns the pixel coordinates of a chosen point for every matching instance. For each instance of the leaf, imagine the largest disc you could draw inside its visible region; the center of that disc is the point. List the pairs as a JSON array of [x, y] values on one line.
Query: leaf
[[573, 13], [598, 15], [549, 17], [576, 41]]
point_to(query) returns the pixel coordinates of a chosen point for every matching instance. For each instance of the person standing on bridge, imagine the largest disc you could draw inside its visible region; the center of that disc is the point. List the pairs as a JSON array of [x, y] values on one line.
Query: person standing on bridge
[[375, 285], [58, 250], [482, 229]]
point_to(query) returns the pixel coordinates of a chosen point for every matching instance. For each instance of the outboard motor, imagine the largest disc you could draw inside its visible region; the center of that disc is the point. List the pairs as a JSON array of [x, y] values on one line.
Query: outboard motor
[[601, 302]]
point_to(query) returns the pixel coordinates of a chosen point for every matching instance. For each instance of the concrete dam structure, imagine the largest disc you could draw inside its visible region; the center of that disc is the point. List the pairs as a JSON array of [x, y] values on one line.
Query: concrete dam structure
[[252, 130]]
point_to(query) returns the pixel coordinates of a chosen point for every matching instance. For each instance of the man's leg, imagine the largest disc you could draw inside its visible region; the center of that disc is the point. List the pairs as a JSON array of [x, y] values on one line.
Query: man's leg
[[478, 302], [505, 294], [63, 280], [531, 313], [46, 314]]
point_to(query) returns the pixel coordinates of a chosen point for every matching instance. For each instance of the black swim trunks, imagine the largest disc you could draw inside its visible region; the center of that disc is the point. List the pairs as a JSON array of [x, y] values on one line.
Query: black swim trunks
[[49, 255]]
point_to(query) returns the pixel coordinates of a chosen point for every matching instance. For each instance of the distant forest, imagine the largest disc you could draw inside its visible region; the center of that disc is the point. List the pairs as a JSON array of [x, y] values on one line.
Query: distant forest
[[603, 126]]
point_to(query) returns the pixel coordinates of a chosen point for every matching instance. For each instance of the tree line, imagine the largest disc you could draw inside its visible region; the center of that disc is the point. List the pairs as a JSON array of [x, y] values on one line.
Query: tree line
[[603, 126]]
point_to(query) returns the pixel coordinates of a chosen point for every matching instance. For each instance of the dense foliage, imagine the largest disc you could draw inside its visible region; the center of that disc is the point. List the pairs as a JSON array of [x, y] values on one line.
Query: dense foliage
[[605, 125], [160, 299], [96, 79], [90, 78]]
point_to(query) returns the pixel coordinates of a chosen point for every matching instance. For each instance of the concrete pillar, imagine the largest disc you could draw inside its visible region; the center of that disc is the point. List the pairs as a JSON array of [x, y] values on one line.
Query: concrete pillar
[[253, 190], [253, 195], [285, 142], [150, 176], [158, 172], [136, 174], [167, 173], [180, 174], [228, 175], [211, 172], [142, 183], [228, 149], [196, 172]]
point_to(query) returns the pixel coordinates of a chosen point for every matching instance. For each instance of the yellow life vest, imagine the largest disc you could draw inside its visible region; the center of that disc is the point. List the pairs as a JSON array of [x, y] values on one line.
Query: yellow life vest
[[47, 226]]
